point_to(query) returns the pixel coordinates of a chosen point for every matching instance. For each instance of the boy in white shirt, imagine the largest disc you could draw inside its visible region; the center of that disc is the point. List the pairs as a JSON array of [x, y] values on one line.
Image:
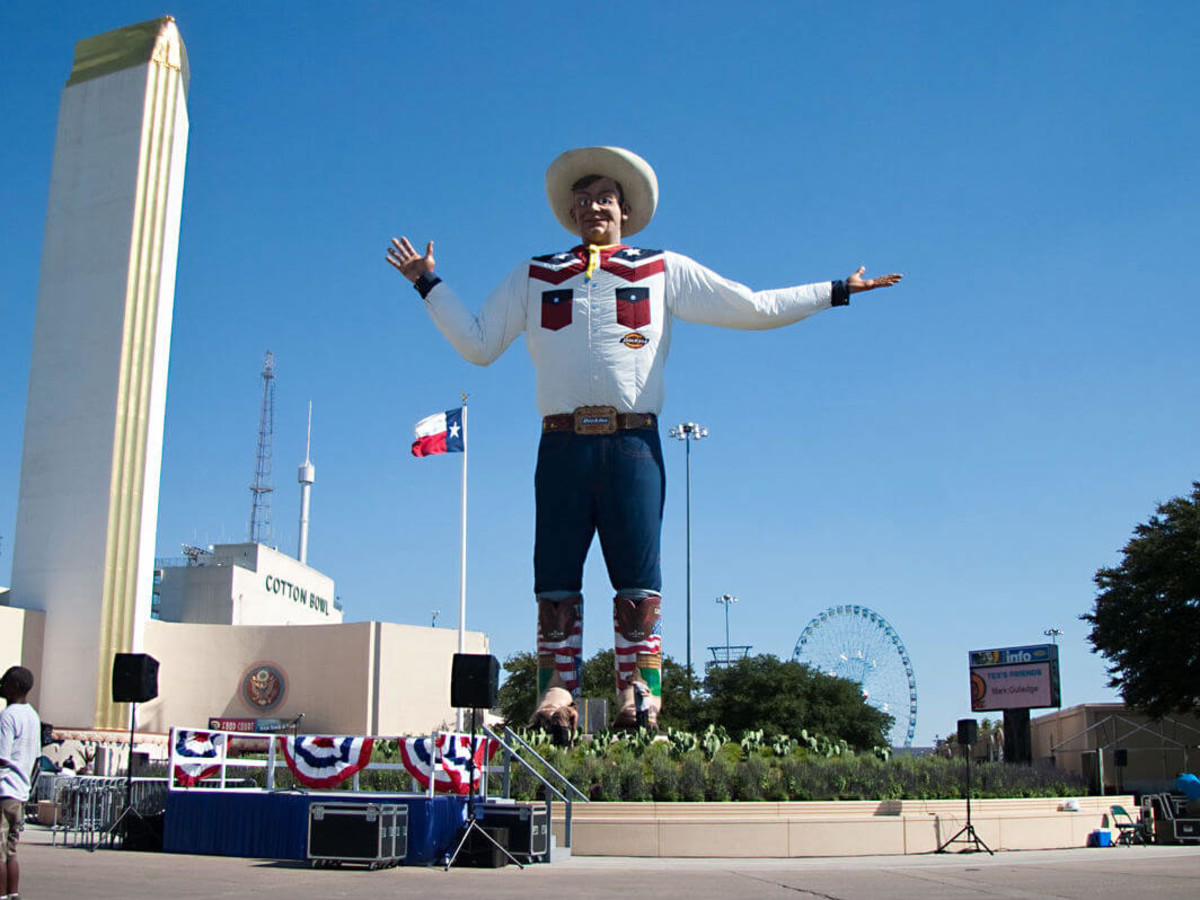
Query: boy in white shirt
[[20, 746]]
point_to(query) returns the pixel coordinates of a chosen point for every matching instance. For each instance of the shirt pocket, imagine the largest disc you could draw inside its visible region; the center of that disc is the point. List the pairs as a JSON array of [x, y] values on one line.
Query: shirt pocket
[[633, 307], [556, 308]]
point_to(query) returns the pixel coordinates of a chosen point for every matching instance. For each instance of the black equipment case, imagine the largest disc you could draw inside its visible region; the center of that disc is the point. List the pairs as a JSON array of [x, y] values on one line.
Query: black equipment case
[[528, 827], [370, 833]]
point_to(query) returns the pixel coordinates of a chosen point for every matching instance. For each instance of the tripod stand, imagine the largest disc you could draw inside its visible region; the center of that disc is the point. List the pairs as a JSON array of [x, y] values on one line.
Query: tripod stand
[[134, 815], [472, 821], [967, 833]]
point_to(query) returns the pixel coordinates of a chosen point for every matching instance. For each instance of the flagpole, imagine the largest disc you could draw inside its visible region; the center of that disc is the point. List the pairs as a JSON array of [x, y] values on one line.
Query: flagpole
[[462, 557]]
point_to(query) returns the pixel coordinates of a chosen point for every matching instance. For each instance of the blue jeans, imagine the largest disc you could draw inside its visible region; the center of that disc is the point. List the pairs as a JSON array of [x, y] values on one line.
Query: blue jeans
[[611, 483]]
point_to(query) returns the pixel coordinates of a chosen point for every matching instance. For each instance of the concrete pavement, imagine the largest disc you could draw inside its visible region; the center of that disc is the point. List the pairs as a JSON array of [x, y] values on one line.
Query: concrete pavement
[[1165, 873]]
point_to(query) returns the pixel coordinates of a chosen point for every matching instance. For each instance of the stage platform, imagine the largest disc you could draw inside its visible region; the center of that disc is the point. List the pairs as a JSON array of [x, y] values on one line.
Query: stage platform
[[274, 824]]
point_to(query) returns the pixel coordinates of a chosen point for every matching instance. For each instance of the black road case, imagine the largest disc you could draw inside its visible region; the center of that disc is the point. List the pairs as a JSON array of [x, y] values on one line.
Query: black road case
[[1187, 831], [370, 833], [528, 828]]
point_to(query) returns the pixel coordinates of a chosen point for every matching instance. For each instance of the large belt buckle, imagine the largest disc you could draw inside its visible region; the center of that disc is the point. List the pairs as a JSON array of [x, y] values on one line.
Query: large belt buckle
[[596, 420]]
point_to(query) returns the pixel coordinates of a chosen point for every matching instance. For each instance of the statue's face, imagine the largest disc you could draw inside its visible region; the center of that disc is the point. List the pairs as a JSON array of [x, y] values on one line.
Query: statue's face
[[598, 213]]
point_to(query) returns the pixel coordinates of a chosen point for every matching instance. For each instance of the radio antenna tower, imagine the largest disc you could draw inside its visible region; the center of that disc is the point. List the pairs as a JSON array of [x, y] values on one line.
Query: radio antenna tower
[[260, 511]]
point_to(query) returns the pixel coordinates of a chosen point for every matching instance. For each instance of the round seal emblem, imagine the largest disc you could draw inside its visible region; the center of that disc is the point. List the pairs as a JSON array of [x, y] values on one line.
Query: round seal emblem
[[263, 686], [978, 690]]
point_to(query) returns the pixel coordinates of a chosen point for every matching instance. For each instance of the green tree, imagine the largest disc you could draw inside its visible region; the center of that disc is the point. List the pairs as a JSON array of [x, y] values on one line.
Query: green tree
[[781, 698], [599, 675], [516, 698], [1146, 617], [683, 699]]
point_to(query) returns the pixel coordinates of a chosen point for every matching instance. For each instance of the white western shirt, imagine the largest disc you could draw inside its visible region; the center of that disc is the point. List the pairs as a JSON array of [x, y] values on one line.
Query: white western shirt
[[604, 340]]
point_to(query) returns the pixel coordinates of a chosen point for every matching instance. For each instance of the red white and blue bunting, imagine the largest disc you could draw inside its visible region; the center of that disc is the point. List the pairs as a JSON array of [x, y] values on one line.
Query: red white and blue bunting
[[323, 762], [447, 759], [203, 751]]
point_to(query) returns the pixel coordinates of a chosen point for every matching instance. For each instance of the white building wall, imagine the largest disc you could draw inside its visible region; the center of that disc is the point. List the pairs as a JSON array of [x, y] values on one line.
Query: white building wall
[[248, 584], [356, 678], [196, 594]]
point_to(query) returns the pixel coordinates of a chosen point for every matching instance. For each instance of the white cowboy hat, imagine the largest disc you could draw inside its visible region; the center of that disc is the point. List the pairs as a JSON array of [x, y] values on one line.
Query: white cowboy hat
[[637, 179]]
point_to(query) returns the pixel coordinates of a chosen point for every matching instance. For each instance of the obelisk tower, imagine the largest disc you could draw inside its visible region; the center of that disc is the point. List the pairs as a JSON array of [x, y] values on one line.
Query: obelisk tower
[[88, 505]]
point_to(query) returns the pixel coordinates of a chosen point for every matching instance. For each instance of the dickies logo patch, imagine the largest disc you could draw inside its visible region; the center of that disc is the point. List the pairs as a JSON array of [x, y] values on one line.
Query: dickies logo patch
[[635, 340]]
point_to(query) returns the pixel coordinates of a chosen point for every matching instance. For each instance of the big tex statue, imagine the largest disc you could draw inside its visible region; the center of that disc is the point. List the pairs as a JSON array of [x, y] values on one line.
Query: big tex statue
[[597, 322]]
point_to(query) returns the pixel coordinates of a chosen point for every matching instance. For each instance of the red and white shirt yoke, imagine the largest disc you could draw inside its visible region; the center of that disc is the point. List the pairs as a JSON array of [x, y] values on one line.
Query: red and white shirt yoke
[[603, 340]]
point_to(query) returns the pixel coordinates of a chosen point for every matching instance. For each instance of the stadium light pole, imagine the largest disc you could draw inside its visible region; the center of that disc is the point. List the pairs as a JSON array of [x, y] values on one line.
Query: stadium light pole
[[1053, 634], [688, 432], [727, 599]]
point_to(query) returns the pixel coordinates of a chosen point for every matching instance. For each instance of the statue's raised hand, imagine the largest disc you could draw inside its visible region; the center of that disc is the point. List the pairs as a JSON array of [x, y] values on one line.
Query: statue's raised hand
[[856, 283], [407, 261]]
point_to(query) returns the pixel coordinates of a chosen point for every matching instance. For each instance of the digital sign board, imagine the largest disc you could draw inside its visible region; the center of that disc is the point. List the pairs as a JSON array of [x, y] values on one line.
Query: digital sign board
[[1014, 678]]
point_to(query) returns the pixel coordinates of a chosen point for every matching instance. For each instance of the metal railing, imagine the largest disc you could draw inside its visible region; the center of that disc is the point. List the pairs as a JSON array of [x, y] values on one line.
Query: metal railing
[[87, 808]]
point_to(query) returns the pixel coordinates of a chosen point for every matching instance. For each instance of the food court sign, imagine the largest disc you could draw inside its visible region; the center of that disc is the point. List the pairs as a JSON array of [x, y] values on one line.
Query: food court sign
[[1014, 678]]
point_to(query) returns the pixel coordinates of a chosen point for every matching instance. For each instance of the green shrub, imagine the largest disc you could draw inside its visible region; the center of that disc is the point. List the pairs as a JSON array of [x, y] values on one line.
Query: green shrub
[[773, 786], [664, 773], [608, 785], [718, 781], [750, 778], [635, 781], [393, 781], [711, 767], [691, 777]]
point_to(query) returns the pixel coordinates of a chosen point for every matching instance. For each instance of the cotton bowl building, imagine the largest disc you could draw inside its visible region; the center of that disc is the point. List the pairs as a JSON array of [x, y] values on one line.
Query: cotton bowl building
[[244, 584]]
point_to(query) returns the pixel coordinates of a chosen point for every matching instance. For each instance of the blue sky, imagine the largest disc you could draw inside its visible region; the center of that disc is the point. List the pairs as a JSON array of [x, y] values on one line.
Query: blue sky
[[959, 453]]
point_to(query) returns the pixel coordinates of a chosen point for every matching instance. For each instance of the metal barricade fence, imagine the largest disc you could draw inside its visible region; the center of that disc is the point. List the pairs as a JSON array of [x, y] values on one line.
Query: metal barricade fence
[[88, 807]]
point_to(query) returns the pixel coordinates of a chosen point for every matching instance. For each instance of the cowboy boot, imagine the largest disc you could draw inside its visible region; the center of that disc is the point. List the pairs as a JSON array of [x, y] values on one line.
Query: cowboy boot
[[637, 643], [559, 666]]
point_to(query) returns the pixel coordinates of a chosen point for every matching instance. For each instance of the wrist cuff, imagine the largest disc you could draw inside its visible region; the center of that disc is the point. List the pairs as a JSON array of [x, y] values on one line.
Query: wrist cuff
[[425, 284], [841, 294]]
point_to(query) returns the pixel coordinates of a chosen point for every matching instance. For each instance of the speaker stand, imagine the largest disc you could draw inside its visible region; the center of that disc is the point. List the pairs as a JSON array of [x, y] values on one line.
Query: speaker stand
[[128, 810], [967, 832], [472, 822]]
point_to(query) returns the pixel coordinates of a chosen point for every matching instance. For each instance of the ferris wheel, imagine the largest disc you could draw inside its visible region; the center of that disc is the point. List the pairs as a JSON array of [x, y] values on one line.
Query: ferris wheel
[[860, 645]]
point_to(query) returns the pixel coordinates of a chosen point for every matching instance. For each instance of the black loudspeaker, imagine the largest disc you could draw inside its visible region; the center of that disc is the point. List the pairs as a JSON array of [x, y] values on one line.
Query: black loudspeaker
[[968, 730], [135, 678], [474, 681], [1122, 755]]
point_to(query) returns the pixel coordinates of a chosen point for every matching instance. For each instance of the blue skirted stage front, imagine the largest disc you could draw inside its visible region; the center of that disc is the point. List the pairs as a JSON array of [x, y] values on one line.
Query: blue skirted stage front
[[274, 824]]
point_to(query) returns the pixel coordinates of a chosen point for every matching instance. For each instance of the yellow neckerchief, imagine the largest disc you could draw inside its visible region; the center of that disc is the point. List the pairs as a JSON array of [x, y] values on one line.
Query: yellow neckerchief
[[594, 259]]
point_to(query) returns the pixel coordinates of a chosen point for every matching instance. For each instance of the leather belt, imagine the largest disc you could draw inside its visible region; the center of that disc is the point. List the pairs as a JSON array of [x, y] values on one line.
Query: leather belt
[[598, 420]]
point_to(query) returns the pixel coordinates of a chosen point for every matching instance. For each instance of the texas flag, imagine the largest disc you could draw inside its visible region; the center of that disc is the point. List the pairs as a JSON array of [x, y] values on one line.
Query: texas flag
[[439, 433]]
